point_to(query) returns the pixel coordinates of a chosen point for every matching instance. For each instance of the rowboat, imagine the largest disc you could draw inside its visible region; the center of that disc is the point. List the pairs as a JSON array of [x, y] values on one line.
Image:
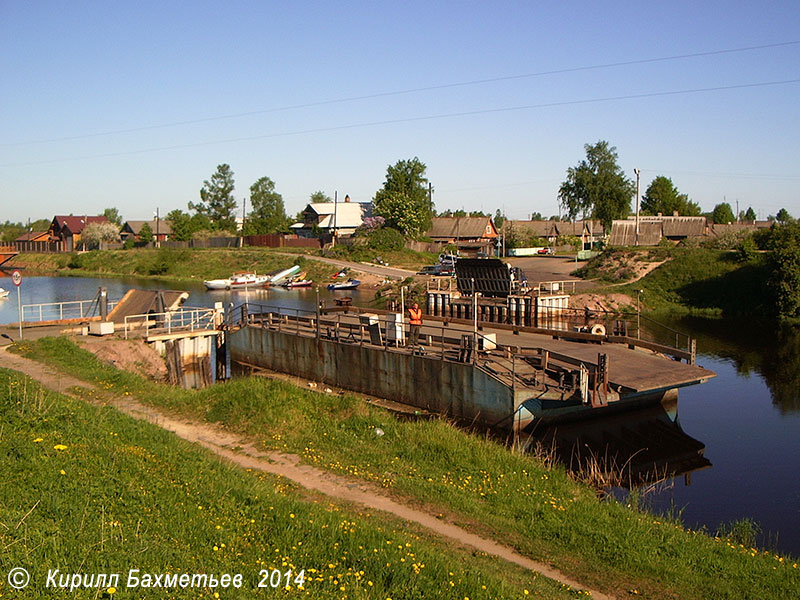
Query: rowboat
[[237, 281], [350, 284], [3, 293]]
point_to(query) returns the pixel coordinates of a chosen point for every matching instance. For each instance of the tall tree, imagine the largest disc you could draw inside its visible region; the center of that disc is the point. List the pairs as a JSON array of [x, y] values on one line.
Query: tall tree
[[784, 262], [404, 200], [663, 197], [146, 233], [722, 213], [112, 214], [180, 223], [597, 187], [783, 216], [268, 214], [499, 219], [320, 197], [216, 199], [749, 215]]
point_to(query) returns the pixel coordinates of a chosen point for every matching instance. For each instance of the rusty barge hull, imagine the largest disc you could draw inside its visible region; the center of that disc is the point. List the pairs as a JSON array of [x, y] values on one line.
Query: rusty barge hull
[[473, 390], [451, 389]]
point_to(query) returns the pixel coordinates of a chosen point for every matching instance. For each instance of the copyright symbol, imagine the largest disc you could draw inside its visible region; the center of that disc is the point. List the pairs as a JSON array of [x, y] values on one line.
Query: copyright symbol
[[18, 578]]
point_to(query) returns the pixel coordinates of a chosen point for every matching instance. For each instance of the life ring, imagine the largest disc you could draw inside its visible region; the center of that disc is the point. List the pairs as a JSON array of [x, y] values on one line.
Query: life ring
[[598, 329]]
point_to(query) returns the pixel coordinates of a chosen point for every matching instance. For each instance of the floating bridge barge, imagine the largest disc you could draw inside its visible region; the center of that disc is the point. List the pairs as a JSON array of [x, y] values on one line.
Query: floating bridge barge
[[501, 376]]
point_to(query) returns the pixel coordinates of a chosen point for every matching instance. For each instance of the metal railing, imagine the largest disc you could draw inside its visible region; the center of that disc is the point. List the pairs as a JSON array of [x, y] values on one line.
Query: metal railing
[[59, 311], [514, 365], [174, 321]]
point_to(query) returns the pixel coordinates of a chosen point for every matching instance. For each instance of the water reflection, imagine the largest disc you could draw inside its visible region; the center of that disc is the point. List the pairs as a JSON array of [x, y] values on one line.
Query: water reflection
[[768, 349], [626, 449]]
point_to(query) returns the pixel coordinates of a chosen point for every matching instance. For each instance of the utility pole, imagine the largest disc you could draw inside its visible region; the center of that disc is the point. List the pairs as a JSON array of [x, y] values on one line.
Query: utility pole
[[335, 204], [158, 222], [638, 172]]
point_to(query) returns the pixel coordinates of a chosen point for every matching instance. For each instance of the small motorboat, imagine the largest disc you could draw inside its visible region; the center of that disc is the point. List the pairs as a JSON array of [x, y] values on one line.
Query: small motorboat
[[4, 293], [237, 281], [298, 283], [298, 280], [350, 284]]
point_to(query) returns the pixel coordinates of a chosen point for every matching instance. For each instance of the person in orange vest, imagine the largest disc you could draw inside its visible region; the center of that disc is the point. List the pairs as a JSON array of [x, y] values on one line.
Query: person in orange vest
[[415, 319]]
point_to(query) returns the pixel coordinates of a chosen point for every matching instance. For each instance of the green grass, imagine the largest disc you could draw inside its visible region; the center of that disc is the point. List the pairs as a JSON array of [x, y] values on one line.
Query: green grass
[[700, 281], [473, 481], [171, 264], [707, 282], [85, 489]]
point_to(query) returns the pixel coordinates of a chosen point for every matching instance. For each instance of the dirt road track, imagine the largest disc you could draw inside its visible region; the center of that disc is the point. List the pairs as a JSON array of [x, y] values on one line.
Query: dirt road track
[[287, 465]]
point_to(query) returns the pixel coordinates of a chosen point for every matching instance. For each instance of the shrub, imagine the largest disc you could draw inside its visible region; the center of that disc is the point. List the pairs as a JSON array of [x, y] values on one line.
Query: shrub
[[386, 239]]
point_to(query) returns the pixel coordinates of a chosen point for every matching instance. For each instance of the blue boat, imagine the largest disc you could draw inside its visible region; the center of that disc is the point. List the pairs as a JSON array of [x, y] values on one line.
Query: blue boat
[[350, 284]]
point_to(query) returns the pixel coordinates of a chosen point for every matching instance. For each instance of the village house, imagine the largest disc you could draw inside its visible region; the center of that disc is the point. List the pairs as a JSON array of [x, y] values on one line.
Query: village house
[[473, 236], [333, 218], [132, 229], [68, 229]]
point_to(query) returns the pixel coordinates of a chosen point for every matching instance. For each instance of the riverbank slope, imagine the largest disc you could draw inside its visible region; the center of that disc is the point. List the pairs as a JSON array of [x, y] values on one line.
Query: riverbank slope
[[529, 505]]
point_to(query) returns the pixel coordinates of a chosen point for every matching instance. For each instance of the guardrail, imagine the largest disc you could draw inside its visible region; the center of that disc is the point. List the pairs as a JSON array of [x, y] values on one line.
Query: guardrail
[[183, 319], [60, 311]]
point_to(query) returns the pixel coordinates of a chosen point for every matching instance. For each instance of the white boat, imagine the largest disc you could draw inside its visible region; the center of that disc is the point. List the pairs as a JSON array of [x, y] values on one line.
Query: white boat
[[237, 281], [4, 293]]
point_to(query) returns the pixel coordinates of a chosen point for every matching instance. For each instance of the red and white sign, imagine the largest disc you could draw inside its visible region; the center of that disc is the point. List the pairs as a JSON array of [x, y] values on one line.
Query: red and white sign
[[16, 277]]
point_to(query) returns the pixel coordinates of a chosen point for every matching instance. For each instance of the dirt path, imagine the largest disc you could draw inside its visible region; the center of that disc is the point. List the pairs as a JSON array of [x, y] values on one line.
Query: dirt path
[[289, 466]]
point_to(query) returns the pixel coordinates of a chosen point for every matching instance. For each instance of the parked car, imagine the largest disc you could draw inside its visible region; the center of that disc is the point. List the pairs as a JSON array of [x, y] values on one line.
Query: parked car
[[437, 270], [546, 251]]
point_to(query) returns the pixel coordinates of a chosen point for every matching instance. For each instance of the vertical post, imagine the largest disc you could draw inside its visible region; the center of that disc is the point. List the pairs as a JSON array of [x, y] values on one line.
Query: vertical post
[[19, 305], [158, 223], [318, 312], [403, 312], [638, 172]]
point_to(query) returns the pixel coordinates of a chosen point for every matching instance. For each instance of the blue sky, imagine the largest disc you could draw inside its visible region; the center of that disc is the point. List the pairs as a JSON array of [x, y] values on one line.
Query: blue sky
[[133, 105]]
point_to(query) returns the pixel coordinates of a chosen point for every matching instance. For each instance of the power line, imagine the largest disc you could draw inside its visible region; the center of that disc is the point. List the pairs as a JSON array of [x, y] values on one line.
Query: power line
[[408, 91], [412, 119]]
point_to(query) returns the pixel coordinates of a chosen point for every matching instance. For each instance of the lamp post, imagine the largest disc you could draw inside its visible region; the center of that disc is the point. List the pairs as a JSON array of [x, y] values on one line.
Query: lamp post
[[638, 172]]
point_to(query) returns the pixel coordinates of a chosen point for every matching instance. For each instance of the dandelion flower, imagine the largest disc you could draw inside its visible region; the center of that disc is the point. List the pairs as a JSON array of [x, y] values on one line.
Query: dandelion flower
[[59, 447], [37, 440]]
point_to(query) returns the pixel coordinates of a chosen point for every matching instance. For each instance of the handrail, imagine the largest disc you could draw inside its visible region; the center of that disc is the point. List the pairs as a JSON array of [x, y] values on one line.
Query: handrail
[[181, 319], [51, 311]]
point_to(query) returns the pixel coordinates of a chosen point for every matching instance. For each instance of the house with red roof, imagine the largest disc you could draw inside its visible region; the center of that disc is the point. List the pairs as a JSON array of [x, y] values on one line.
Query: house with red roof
[[68, 229]]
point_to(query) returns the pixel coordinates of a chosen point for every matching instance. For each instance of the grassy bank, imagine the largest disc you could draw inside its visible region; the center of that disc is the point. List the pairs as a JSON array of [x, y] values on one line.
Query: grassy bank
[[88, 490], [475, 482], [171, 264], [699, 281]]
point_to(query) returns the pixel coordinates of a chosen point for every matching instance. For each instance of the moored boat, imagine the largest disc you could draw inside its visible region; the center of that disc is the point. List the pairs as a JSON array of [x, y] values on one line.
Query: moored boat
[[237, 281], [350, 284], [4, 293], [298, 283], [298, 280], [279, 277]]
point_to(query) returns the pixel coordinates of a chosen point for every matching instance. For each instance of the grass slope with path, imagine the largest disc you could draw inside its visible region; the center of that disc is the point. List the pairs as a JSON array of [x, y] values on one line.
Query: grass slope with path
[[473, 482], [700, 281], [88, 490]]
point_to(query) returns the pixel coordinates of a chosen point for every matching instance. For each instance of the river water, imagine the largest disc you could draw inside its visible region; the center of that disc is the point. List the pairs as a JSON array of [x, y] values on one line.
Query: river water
[[747, 417]]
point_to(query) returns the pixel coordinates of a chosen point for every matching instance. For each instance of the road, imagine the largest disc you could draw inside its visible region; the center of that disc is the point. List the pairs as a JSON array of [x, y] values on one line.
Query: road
[[385, 272]]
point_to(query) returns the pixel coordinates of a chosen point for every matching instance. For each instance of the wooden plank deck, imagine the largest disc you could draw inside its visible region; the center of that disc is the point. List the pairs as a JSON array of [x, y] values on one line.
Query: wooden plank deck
[[637, 370]]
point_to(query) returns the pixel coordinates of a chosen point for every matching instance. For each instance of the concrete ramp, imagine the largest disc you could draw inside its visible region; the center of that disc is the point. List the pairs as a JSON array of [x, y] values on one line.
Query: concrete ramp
[[141, 302]]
